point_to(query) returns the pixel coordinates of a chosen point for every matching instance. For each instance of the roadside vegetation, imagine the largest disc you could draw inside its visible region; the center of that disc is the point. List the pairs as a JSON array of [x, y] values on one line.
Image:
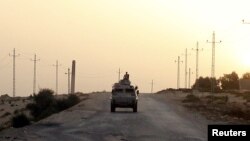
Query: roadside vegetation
[[20, 120], [191, 98], [216, 107], [226, 103], [245, 95], [44, 104]]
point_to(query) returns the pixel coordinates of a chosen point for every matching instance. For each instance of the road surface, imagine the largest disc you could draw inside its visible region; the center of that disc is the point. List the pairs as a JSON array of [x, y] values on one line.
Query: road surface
[[158, 119]]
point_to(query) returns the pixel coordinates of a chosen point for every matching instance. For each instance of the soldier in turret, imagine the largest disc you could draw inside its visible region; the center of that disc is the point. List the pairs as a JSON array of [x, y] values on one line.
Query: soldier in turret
[[126, 76]]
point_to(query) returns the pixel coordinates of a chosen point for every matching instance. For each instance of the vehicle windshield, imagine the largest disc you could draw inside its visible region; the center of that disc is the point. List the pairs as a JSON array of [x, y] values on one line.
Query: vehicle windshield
[[130, 90], [118, 90]]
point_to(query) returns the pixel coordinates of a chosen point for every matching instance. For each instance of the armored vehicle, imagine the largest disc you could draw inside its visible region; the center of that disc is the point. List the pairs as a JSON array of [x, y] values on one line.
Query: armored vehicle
[[124, 95]]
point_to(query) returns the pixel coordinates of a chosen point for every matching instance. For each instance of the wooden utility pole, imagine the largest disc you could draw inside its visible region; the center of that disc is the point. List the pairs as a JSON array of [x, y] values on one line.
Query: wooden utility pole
[[57, 65], [14, 55], [68, 73], [178, 72]]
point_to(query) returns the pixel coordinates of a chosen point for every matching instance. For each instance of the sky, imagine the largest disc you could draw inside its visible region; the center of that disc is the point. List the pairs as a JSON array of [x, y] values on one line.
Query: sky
[[141, 37]]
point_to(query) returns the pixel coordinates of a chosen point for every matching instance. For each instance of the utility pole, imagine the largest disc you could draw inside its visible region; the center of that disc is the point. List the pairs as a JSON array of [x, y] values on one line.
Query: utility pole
[[152, 86], [178, 72], [68, 73], [14, 71], [57, 65], [119, 75], [186, 71], [213, 61], [34, 78], [73, 76], [186, 68], [189, 78], [197, 64]]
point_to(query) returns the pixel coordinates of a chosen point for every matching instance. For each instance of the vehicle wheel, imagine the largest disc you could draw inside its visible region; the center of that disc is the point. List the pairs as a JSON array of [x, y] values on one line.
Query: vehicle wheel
[[112, 107], [135, 107]]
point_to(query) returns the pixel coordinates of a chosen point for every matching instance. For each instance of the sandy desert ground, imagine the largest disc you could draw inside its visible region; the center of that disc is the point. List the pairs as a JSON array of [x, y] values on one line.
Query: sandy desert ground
[[223, 107], [160, 117], [9, 106]]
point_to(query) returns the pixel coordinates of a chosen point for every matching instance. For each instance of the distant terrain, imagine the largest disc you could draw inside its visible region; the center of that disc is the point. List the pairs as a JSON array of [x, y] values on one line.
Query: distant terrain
[[10, 106], [230, 107]]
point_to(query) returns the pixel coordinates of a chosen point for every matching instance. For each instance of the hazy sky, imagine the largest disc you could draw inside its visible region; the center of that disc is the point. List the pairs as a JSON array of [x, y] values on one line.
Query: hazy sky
[[143, 37]]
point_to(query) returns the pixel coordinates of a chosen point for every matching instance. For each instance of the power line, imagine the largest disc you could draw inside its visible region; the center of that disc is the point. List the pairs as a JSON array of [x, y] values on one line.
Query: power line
[[14, 55], [213, 61], [34, 77]]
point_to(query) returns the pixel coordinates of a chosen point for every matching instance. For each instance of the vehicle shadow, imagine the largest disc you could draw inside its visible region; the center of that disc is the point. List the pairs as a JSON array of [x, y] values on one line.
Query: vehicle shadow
[[124, 112]]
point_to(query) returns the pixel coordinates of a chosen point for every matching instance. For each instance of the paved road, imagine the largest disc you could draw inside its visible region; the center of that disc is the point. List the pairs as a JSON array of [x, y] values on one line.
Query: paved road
[[158, 119]]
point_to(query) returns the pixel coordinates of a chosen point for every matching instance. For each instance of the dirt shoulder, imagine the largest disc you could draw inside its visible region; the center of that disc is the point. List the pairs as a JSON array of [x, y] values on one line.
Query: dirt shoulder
[[10, 106], [220, 107], [157, 119]]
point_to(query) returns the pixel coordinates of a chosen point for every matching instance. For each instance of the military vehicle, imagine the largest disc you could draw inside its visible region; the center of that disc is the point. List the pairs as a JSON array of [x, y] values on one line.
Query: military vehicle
[[124, 95]]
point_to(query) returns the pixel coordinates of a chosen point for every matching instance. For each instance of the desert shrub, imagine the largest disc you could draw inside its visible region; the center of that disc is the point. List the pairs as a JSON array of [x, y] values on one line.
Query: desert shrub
[[217, 99], [247, 114], [1, 127], [63, 104], [247, 97], [20, 120], [186, 90], [5, 114], [40, 112], [191, 98], [16, 111], [230, 81], [235, 111], [244, 95], [45, 104], [203, 84], [73, 100], [44, 98], [31, 97]]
